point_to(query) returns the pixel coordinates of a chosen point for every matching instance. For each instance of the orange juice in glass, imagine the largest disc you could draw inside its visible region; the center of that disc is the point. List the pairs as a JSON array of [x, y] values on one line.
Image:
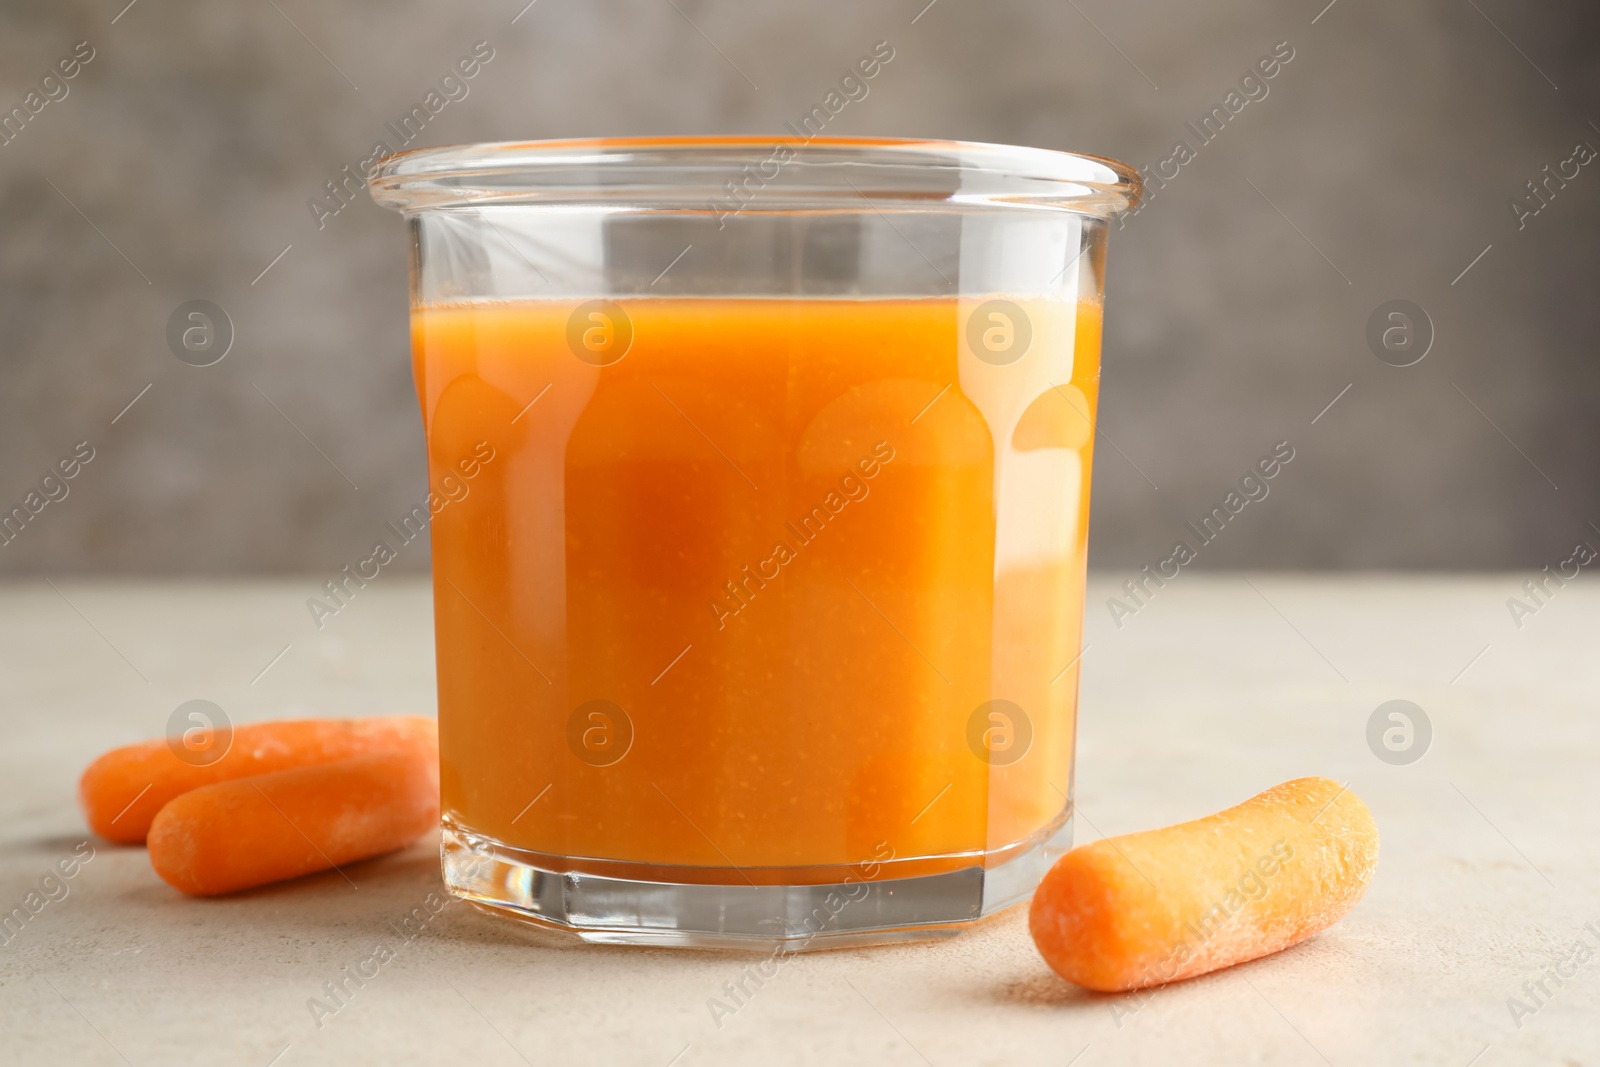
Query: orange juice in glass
[[759, 621]]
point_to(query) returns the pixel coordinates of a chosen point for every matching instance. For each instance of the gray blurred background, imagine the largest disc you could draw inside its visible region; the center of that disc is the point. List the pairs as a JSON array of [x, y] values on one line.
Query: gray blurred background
[[180, 162]]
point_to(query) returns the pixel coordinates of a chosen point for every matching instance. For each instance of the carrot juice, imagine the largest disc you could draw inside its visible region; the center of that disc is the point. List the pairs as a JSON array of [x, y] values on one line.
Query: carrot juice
[[752, 589]]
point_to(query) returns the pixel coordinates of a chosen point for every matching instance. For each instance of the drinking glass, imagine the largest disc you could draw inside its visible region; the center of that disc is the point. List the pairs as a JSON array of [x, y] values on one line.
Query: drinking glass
[[759, 479]]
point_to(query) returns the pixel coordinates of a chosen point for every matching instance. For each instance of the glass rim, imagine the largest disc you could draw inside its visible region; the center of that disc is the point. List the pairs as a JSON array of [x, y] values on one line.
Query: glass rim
[[753, 174]]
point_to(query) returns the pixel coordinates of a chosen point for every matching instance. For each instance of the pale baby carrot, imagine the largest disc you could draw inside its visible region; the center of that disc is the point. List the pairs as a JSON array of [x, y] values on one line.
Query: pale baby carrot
[[247, 832], [122, 790], [1164, 905]]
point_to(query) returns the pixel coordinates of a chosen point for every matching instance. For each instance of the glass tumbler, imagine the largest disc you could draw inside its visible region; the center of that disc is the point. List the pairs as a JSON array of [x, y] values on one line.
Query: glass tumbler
[[760, 475]]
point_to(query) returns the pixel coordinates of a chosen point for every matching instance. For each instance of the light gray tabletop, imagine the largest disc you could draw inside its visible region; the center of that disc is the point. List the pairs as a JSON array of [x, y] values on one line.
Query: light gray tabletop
[[1218, 687]]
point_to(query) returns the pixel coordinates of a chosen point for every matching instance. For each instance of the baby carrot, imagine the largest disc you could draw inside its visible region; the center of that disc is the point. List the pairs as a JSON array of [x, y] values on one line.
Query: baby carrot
[[122, 790], [250, 831], [1164, 905]]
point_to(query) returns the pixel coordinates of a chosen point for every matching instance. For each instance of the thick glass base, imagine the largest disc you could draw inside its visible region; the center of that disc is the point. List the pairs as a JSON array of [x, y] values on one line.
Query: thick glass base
[[683, 908]]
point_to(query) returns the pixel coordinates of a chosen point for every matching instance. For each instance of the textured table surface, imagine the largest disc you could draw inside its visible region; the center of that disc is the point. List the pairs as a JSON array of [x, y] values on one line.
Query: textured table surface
[[1215, 689]]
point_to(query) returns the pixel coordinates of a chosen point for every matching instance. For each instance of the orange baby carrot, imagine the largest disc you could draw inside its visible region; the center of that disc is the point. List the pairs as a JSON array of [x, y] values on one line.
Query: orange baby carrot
[[122, 790], [250, 831], [1163, 905]]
